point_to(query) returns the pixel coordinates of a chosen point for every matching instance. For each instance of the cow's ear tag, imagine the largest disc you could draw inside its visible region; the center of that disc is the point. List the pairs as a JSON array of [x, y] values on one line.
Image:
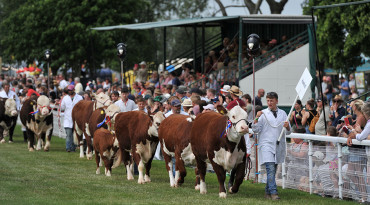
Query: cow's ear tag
[[31, 103], [102, 112], [222, 112]]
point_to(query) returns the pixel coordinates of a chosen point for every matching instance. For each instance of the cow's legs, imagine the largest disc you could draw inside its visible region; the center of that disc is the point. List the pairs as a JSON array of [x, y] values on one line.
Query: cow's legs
[[197, 179], [148, 166], [180, 171], [106, 165], [88, 147], [39, 143], [49, 132], [31, 140], [97, 160], [240, 173], [11, 131], [2, 139], [202, 169], [221, 176], [140, 164], [77, 138], [168, 161]]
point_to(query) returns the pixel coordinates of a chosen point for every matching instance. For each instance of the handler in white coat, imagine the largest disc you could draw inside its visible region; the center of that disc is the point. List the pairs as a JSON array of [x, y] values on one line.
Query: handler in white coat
[[268, 125]]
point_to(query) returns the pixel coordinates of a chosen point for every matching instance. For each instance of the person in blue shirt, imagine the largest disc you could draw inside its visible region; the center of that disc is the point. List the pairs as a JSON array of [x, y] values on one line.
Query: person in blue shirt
[[344, 88]]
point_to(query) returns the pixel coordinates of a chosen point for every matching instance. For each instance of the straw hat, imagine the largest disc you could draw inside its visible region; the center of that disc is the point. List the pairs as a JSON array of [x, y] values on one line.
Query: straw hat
[[157, 91], [187, 103], [235, 90]]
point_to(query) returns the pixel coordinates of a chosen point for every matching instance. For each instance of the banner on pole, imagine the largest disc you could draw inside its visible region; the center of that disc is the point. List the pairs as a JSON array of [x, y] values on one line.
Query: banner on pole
[[303, 84]]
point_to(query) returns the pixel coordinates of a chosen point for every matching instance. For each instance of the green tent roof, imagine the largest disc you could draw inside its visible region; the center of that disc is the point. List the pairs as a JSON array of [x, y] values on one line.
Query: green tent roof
[[211, 21]]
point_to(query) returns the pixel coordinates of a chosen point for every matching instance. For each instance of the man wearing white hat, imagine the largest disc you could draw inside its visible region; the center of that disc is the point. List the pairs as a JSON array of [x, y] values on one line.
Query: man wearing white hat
[[141, 73]]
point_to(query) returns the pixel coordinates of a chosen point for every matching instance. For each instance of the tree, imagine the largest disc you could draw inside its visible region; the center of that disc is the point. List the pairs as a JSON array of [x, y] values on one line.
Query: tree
[[343, 33], [65, 27], [253, 8]]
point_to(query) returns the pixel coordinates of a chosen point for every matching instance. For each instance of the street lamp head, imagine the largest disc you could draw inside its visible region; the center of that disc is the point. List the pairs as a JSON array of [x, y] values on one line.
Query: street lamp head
[[121, 50], [253, 44], [47, 54]]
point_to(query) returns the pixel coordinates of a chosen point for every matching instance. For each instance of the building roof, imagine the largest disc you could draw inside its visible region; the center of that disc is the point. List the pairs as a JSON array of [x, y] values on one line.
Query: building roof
[[213, 21]]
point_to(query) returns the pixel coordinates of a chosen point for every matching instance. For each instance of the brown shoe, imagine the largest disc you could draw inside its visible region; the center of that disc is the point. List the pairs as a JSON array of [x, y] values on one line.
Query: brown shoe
[[267, 196], [275, 197]]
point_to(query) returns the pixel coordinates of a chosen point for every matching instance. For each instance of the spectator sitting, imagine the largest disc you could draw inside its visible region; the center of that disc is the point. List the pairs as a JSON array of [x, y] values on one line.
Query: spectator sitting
[[235, 93], [208, 108], [141, 104], [186, 105]]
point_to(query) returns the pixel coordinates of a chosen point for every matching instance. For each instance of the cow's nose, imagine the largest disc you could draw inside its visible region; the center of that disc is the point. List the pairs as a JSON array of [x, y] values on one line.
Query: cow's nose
[[14, 113], [244, 129]]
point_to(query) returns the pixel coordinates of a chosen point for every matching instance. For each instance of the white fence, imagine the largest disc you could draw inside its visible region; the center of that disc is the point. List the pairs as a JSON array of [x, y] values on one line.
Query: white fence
[[326, 169]]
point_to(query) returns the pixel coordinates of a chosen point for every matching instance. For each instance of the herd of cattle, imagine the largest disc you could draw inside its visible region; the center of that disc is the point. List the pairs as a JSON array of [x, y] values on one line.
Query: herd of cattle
[[212, 137]]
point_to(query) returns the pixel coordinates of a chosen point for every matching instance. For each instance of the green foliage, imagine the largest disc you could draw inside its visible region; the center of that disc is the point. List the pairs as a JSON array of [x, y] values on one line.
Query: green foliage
[[65, 27], [58, 177], [343, 33]]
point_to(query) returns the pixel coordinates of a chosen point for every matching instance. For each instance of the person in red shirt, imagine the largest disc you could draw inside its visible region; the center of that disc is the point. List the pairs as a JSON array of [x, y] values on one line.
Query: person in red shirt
[[235, 93], [29, 91]]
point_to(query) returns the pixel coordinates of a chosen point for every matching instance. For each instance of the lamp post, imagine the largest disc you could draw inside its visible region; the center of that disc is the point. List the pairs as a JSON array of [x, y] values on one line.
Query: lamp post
[[48, 58], [253, 48], [121, 53]]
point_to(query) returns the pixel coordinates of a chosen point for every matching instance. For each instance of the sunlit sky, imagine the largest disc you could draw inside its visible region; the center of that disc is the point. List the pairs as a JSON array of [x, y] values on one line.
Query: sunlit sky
[[292, 7]]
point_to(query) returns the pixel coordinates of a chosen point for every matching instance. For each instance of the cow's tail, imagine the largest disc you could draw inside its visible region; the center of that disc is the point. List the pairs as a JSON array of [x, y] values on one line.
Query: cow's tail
[[117, 159], [75, 138]]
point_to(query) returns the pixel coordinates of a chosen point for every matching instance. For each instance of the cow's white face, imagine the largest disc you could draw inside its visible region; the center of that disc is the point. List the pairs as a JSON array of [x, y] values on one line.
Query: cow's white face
[[102, 100], [11, 107], [112, 111], [157, 120], [238, 117], [43, 105]]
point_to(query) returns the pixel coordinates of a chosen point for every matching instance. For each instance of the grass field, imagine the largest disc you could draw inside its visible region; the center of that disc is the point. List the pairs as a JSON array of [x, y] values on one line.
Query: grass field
[[58, 177]]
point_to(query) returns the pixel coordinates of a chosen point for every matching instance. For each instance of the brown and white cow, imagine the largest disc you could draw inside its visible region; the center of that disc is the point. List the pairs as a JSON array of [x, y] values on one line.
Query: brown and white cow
[[8, 118], [106, 147], [81, 114], [174, 136], [224, 148], [138, 133], [38, 120], [105, 117]]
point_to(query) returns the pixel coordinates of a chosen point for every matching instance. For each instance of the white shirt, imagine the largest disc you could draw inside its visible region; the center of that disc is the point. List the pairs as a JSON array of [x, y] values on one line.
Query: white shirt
[[170, 113], [10, 95], [78, 88], [63, 84], [145, 110], [67, 105], [129, 105], [268, 150]]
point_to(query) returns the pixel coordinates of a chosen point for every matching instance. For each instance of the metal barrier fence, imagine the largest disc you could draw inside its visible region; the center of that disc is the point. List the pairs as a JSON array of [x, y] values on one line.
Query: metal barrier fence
[[327, 166]]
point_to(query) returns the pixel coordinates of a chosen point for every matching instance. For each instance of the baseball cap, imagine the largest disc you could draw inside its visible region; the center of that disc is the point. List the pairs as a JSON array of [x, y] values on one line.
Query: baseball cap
[[180, 91], [209, 107], [175, 103], [71, 87]]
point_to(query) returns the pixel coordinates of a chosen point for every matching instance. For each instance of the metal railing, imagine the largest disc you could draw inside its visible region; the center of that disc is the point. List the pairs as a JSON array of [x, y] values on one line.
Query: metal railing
[[341, 172], [274, 54]]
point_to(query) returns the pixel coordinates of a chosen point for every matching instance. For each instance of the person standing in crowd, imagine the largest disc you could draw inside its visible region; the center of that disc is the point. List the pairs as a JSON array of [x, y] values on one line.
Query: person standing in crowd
[[320, 125], [125, 104], [352, 81], [296, 116], [235, 93], [337, 109], [62, 82], [175, 108], [329, 89], [269, 127], [308, 114], [260, 94], [7, 93], [68, 102], [78, 86], [141, 73], [344, 88], [141, 104], [114, 96]]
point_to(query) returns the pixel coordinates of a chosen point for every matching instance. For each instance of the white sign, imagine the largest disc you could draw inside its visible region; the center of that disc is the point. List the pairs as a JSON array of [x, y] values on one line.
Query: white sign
[[303, 83]]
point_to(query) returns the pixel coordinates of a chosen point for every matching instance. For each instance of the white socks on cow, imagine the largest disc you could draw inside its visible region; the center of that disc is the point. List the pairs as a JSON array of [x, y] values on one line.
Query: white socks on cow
[[203, 188], [81, 150], [141, 173], [129, 172]]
